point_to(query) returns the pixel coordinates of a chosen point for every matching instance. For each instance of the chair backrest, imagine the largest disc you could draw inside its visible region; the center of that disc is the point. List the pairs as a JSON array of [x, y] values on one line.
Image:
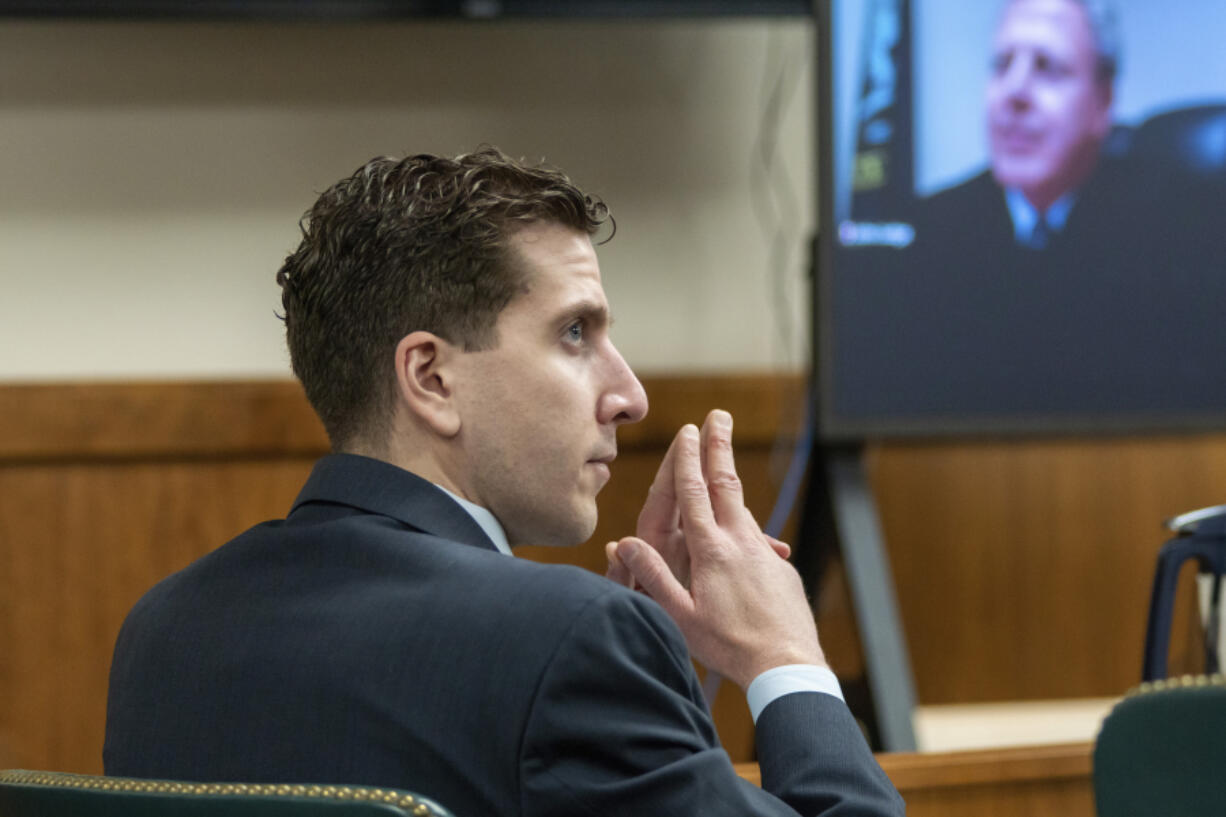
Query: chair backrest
[[1162, 751], [1190, 138], [55, 794], [1207, 548]]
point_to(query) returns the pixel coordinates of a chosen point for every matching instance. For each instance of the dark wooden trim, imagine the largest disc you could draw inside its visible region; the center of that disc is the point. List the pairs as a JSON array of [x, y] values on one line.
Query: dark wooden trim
[[914, 771], [920, 771], [72, 421], [156, 419]]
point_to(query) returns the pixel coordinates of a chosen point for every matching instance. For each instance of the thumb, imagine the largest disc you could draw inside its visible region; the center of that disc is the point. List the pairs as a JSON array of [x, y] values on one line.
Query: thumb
[[651, 572], [617, 571]]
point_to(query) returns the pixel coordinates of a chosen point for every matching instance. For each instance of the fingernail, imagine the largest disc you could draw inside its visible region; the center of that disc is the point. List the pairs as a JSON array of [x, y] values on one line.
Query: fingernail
[[722, 418], [690, 431], [627, 549]]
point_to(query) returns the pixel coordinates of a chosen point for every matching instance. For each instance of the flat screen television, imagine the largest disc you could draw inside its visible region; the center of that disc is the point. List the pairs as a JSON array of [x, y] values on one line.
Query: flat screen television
[[1024, 217]]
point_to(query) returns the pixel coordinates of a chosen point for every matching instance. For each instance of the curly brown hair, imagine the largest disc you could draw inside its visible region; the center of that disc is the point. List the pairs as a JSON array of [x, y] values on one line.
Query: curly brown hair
[[406, 245]]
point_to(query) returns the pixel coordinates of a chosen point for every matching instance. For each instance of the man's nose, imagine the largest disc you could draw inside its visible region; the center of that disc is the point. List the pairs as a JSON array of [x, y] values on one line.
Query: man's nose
[[1018, 78], [624, 400]]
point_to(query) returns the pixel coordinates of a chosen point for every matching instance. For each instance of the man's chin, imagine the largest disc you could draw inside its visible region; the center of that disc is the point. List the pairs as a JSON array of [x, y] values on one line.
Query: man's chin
[[1015, 173], [568, 532]]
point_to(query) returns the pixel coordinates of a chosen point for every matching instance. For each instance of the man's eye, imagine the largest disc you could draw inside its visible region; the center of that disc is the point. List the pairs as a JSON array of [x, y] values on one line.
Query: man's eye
[[574, 332], [1051, 68]]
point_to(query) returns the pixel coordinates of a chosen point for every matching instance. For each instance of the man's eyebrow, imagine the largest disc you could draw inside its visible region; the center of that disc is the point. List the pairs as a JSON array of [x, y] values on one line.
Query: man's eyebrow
[[589, 311]]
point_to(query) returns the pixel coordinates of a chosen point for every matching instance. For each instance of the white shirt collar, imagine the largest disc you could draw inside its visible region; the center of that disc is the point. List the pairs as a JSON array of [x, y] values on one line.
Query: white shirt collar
[[1025, 215], [487, 521]]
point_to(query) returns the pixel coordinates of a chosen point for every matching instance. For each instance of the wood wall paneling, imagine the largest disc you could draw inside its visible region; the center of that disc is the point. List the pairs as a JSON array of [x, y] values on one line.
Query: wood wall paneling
[[81, 542], [1023, 569]]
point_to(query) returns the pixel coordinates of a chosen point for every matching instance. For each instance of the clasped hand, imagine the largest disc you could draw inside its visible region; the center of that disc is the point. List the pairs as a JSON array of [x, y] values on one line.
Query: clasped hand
[[700, 554]]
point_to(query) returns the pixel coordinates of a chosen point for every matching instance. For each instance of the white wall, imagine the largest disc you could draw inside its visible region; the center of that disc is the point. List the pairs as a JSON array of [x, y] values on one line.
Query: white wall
[[152, 175]]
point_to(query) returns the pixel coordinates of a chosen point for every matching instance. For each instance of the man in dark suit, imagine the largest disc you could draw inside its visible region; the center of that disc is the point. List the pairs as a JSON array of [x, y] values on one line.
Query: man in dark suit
[[448, 323]]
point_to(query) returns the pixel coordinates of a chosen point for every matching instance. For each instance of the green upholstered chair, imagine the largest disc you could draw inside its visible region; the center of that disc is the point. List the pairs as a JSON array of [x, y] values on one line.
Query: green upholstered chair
[[1162, 751], [55, 794]]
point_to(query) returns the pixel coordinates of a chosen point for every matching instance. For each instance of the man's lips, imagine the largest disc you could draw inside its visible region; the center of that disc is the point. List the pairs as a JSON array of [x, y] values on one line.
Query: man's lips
[[1014, 138], [601, 463]]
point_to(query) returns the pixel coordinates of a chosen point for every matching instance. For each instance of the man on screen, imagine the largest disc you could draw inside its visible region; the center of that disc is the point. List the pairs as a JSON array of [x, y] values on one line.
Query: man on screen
[[448, 323], [1049, 107], [1048, 111]]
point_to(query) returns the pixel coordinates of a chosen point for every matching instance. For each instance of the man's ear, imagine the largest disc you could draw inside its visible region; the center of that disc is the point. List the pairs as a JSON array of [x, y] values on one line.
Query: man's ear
[[1106, 98], [424, 376]]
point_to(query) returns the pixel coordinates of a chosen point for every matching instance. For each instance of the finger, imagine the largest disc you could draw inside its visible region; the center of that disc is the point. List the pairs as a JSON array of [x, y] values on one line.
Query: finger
[[659, 514], [727, 496], [652, 574], [693, 501], [617, 571], [783, 549], [704, 440]]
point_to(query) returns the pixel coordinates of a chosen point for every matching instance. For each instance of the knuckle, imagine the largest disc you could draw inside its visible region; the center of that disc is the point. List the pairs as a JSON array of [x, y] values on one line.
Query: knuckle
[[725, 480], [720, 548], [692, 489]]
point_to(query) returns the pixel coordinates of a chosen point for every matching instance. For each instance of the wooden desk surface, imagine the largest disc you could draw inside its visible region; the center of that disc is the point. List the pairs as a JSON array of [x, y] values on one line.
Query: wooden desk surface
[[1025, 781]]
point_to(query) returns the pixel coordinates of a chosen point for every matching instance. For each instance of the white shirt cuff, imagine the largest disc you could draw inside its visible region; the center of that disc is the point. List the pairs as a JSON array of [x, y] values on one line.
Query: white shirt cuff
[[780, 681]]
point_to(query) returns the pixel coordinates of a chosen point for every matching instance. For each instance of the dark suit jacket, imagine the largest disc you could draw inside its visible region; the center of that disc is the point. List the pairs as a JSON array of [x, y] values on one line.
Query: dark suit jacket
[[376, 637], [1120, 313]]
